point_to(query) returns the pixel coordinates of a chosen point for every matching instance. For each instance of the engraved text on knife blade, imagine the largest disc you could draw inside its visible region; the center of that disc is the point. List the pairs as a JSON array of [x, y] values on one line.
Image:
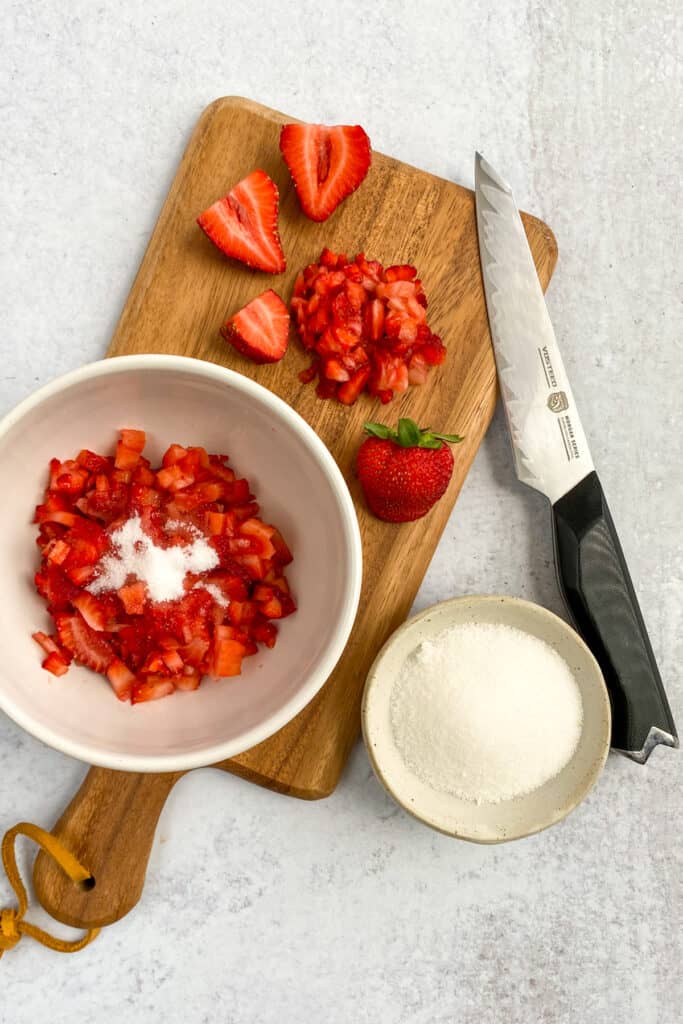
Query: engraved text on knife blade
[[550, 448]]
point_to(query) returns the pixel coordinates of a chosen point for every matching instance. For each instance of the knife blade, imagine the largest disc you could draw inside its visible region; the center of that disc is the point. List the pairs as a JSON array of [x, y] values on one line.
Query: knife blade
[[551, 454]]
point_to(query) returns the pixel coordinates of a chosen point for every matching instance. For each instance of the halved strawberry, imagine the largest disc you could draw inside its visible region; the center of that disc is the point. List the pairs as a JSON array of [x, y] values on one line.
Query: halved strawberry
[[121, 678], [87, 647], [243, 225], [260, 330], [327, 164]]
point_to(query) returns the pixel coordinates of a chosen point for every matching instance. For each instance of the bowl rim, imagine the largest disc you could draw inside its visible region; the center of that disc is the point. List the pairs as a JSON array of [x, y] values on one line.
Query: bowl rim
[[351, 596], [532, 609]]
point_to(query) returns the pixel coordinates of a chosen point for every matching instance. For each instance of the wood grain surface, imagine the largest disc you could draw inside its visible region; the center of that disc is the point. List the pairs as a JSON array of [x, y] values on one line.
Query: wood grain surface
[[183, 292]]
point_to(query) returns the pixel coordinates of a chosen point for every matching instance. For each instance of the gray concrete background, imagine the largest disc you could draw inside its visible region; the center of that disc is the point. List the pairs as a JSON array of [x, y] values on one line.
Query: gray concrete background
[[259, 909]]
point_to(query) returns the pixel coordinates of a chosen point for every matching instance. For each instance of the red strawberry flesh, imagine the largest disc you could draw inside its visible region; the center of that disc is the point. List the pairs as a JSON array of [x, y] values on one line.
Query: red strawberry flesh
[[244, 224], [148, 650], [327, 164], [260, 330], [365, 326]]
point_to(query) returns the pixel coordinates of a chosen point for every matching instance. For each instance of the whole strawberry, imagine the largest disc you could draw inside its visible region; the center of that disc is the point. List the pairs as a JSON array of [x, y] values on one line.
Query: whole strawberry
[[404, 472]]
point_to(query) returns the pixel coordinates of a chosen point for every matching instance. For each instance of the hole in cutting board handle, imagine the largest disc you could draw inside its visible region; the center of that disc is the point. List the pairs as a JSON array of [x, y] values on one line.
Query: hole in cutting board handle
[[87, 884]]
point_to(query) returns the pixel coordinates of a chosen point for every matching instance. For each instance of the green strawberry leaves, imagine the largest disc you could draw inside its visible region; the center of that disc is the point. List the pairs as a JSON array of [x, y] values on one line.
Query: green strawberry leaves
[[409, 435], [379, 430]]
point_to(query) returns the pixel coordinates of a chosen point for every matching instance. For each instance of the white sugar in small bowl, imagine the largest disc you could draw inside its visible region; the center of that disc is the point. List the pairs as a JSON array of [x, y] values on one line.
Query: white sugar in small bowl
[[512, 818], [300, 489]]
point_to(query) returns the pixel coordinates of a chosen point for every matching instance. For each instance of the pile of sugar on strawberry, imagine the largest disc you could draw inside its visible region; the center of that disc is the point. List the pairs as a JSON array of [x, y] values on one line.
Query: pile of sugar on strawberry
[[156, 578]]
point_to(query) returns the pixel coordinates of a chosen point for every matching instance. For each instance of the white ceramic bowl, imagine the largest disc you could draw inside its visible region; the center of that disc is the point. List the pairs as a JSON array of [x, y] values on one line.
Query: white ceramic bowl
[[299, 487], [510, 819]]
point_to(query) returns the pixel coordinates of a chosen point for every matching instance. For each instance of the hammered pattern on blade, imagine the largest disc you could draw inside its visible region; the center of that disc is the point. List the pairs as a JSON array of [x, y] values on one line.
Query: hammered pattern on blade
[[548, 443], [514, 318]]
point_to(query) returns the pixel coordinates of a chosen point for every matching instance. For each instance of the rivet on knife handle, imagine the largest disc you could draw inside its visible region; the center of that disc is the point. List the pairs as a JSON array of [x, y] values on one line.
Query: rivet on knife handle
[[598, 590]]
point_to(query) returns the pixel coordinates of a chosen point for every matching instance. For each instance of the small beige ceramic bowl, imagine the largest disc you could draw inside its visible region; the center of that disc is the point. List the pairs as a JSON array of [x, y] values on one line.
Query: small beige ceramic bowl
[[510, 819], [299, 486]]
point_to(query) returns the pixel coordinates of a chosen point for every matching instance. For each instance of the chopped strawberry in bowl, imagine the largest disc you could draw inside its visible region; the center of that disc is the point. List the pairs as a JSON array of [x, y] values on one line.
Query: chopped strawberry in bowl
[[183, 611], [175, 580]]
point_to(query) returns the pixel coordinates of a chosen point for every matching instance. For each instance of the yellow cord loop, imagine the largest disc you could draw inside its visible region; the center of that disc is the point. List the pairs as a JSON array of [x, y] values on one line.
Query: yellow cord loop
[[12, 924]]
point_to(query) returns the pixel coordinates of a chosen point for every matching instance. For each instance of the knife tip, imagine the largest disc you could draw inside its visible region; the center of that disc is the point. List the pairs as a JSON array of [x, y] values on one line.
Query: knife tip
[[483, 169]]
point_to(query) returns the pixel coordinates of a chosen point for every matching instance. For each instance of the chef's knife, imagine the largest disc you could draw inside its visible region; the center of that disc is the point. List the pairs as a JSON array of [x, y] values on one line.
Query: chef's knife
[[551, 455]]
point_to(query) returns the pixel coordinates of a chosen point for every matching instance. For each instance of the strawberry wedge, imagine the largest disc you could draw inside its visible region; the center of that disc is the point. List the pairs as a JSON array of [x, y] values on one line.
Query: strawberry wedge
[[260, 330], [327, 164], [243, 225]]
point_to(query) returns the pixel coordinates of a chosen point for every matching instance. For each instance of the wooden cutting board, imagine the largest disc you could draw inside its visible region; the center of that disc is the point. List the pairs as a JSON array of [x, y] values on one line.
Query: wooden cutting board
[[183, 292]]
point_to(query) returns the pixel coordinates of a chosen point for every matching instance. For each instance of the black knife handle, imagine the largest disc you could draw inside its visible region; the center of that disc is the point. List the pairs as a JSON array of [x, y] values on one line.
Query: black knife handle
[[597, 588]]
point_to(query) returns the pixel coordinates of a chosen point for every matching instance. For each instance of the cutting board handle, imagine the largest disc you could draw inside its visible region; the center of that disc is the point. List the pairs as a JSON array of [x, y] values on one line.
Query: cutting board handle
[[109, 826]]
